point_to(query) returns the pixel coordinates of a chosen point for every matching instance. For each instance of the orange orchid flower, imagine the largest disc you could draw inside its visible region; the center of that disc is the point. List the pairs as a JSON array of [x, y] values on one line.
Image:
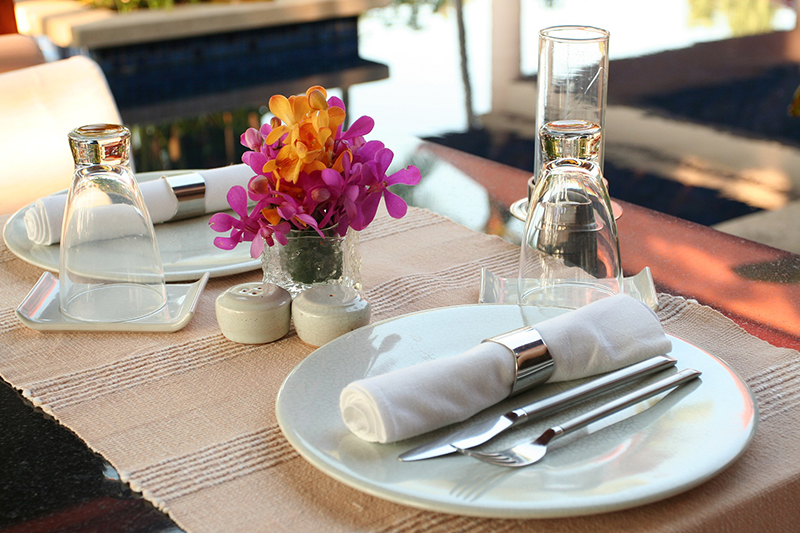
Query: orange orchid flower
[[307, 124], [293, 110]]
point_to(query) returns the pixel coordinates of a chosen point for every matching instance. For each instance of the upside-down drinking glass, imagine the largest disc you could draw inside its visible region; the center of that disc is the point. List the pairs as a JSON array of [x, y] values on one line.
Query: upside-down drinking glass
[[109, 265], [570, 252]]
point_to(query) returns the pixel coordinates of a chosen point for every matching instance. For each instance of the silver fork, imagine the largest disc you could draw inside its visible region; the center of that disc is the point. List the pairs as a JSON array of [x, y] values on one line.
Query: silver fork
[[531, 452]]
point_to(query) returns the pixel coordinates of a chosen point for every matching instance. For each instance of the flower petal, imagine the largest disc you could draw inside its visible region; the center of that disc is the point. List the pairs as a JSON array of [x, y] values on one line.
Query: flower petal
[[336, 116], [359, 128], [225, 243], [221, 222], [408, 176], [384, 159], [237, 199], [368, 151], [395, 205], [335, 101], [259, 186], [316, 98], [308, 220], [368, 209], [281, 108], [257, 247], [276, 134], [281, 238], [300, 108], [252, 138], [332, 179], [254, 160], [341, 228]]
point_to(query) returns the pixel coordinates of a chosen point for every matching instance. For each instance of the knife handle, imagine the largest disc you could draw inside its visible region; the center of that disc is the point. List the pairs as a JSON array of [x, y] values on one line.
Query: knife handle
[[590, 389]]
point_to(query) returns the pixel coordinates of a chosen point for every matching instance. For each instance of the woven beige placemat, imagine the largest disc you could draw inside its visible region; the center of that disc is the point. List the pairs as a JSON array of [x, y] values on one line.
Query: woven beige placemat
[[188, 418]]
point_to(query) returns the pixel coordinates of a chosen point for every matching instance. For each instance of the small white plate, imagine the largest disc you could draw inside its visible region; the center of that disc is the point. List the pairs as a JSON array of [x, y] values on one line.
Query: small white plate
[[187, 246], [688, 437], [40, 310]]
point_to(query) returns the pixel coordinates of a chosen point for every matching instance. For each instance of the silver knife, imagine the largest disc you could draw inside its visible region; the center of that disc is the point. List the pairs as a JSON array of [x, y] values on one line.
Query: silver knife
[[473, 436]]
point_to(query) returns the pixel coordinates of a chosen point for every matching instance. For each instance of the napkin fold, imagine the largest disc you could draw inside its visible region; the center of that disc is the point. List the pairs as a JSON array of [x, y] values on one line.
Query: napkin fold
[[601, 337], [43, 219]]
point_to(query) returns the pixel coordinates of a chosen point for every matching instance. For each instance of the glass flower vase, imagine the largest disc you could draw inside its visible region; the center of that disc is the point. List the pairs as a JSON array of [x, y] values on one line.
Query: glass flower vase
[[307, 260]]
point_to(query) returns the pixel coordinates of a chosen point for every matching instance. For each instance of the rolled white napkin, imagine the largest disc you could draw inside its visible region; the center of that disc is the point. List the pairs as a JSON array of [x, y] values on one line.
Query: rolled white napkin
[[601, 337], [43, 219]]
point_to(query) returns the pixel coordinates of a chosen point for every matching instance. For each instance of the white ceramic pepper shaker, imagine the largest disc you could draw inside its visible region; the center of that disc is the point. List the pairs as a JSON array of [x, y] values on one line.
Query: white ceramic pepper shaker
[[254, 313], [325, 312]]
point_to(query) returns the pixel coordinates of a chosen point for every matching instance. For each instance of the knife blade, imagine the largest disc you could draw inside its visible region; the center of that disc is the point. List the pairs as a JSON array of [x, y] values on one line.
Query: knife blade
[[475, 435]]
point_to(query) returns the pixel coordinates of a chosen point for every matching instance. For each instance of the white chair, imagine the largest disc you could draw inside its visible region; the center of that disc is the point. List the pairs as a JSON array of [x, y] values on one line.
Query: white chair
[[19, 51], [39, 106]]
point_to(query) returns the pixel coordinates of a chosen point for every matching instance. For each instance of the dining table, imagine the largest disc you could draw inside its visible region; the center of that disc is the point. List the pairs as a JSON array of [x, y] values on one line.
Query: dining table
[[185, 430]]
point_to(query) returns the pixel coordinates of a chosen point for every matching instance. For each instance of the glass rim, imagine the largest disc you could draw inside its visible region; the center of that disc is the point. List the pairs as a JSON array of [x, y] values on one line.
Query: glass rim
[[99, 131], [579, 34]]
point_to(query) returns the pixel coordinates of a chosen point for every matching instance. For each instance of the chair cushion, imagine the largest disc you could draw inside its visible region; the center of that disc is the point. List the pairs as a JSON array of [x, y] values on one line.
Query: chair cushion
[[39, 107], [19, 51]]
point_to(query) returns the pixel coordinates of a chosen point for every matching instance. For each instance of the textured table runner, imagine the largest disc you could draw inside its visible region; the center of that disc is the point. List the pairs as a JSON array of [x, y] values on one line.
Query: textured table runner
[[188, 418]]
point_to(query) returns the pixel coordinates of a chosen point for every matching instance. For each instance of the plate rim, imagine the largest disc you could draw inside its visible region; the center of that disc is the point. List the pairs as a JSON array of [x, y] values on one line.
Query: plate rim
[[407, 497], [172, 273]]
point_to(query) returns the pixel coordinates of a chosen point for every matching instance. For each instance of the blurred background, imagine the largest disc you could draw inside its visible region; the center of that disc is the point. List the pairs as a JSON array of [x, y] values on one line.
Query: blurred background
[[698, 123]]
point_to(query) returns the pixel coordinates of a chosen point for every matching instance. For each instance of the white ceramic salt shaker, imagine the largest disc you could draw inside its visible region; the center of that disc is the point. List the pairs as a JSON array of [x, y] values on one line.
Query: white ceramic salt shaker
[[324, 312], [254, 313]]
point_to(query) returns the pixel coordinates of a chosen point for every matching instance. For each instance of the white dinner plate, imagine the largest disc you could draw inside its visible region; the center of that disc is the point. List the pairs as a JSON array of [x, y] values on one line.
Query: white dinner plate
[[187, 246], [686, 438]]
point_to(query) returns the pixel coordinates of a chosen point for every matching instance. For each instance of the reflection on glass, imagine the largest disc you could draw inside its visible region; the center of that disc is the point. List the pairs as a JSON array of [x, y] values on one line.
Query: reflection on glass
[[575, 139]]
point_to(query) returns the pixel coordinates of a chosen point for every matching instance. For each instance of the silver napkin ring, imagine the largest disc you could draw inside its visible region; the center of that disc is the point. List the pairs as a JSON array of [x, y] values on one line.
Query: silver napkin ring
[[534, 364], [190, 190]]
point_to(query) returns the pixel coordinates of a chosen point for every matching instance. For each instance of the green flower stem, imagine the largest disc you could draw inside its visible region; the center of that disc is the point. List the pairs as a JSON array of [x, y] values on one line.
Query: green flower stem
[[311, 259]]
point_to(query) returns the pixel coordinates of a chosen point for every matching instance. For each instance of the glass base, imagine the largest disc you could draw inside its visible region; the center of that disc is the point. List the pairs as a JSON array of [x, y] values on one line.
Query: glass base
[[569, 294], [118, 302]]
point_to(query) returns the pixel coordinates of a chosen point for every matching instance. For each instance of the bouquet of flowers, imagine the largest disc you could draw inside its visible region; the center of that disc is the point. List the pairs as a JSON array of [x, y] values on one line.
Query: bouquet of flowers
[[310, 175]]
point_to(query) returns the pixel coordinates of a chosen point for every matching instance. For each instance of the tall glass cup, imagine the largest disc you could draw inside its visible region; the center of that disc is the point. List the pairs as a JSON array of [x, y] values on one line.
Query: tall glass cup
[[572, 86]]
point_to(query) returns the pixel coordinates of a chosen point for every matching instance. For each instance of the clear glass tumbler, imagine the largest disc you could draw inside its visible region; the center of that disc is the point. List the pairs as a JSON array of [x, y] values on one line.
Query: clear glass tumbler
[[570, 251], [571, 94], [109, 266]]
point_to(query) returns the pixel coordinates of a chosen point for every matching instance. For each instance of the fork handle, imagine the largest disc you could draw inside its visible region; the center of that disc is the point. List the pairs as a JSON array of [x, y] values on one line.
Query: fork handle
[[625, 401]]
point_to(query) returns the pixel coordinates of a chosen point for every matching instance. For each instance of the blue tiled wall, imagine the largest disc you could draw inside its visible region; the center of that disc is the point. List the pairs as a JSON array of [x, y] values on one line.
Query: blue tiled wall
[[164, 70]]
